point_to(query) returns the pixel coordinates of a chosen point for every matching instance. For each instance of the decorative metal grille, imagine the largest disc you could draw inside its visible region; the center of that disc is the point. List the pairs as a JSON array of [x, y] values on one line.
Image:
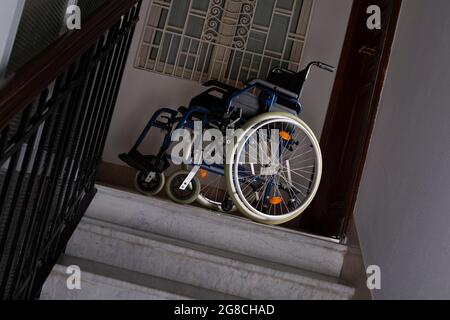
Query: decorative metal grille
[[228, 40]]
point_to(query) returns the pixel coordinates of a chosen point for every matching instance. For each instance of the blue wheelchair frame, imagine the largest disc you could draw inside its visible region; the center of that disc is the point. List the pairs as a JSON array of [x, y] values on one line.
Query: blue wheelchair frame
[[270, 93]]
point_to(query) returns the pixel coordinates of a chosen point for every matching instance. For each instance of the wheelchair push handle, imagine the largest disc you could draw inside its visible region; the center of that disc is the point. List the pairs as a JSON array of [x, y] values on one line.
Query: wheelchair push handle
[[322, 65], [326, 67]]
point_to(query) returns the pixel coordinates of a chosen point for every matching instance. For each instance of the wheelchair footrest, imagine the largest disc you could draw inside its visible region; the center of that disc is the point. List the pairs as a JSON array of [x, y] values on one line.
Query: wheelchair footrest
[[143, 163], [135, 160]]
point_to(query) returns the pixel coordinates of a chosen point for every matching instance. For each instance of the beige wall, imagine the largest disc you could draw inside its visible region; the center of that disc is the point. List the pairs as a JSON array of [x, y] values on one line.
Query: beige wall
[[403, 208], [143, 92]]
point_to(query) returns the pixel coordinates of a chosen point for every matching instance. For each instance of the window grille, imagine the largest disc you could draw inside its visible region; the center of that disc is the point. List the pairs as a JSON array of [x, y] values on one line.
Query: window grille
[[228, 40]]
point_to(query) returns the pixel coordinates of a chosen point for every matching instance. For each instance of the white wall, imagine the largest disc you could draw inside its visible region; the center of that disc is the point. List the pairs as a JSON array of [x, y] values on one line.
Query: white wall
[[143, 92], [324, 43], [403, 208], [10, 13]]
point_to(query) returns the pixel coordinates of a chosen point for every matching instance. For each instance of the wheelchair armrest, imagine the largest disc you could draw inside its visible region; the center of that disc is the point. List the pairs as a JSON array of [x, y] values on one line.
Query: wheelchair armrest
[[267, 85], [282, 70], [224, 86]]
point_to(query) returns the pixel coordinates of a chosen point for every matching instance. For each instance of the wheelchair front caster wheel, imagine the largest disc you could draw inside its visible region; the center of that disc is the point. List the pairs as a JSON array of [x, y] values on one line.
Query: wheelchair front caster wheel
[[227, 205], [149, 187], [177, 195]]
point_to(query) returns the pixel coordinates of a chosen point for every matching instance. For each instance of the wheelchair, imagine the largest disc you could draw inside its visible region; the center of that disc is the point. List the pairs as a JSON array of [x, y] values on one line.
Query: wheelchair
[[272, 166]]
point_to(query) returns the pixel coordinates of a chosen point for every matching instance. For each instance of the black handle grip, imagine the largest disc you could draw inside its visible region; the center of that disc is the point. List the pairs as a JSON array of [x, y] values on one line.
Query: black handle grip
[[326, 67]]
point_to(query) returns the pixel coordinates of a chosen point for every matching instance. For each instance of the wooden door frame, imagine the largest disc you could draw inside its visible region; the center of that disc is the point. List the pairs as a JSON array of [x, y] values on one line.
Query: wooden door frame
[[311, 221]]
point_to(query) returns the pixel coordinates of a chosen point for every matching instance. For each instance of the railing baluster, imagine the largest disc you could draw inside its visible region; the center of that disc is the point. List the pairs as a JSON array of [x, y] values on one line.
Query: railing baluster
[[3, 139], [75, 104], [124, 47], [88, 107], [115, 95], [112, 60], [100, 89], [48, 162], [27, 186], [36, 219], [27, 209], [57, 153], [8, 206]]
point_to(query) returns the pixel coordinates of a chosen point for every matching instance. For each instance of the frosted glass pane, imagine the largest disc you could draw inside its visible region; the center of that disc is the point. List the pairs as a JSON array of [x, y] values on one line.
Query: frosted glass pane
[[195, 27], [278, 33], [200, 5], [263, 12], [256, 42], [174, 49], [285, 4], [162, 20], [179, 13], [296, 15]]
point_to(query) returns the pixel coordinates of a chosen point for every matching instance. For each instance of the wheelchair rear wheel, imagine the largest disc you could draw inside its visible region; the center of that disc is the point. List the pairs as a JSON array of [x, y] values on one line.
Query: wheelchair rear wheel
[[276, 185], [213, 194]]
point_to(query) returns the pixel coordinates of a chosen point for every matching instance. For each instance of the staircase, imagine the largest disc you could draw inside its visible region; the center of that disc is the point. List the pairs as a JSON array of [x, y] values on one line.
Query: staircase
[[133, 247]]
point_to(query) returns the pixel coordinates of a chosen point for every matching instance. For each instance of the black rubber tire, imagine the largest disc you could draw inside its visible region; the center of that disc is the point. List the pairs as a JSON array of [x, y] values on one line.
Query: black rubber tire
[[152, 188], [187, 196]]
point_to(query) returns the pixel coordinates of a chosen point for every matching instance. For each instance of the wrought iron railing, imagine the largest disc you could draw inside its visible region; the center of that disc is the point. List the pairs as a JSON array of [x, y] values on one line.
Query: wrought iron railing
[[54, 118]]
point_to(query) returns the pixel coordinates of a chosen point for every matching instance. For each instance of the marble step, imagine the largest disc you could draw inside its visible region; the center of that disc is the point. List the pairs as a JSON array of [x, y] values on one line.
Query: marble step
[[221, 231], [198, 265], [104, 282]]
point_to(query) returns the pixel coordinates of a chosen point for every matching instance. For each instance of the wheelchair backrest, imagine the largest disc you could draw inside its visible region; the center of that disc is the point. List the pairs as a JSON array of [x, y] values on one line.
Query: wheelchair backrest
[[217, 95], [288, 80]]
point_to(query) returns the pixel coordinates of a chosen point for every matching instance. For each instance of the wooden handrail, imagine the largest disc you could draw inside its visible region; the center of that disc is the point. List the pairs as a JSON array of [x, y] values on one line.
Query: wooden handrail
[[37, 74]]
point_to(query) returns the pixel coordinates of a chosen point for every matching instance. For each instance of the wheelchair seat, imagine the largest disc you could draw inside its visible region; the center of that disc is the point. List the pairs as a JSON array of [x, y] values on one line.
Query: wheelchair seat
[[215, 98]]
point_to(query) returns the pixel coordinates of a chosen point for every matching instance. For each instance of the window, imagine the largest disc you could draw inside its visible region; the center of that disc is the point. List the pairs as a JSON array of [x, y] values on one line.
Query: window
[[229, 40]]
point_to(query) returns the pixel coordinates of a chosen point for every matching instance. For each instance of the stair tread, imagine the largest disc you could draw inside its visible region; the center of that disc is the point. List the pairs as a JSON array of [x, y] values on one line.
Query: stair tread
[[220, 256], [154, 201], [173, 289], [218, 230]]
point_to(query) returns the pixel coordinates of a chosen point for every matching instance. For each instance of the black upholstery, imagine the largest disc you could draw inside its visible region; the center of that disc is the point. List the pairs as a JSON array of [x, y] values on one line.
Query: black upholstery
[[216, 97], [288, 80]]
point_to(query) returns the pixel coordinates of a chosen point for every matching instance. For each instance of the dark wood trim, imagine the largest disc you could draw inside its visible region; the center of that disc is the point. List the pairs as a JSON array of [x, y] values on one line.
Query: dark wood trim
[[384, 63], [326, 216], [38, 73]]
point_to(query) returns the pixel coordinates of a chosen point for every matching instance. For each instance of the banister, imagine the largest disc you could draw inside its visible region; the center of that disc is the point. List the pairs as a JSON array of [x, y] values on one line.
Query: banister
[[55, 114], [38, 73]]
